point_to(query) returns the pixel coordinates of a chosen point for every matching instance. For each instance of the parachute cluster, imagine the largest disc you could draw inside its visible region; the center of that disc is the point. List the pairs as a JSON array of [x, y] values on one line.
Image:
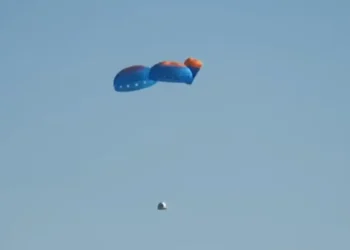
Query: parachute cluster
[[139, 77]]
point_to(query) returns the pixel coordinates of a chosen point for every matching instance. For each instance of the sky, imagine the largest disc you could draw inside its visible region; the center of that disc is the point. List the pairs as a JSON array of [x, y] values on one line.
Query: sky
[[254, 155]]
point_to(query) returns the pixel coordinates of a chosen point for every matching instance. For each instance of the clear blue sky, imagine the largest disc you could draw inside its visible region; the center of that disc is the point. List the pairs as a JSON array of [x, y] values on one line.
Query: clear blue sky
[[254, 156]]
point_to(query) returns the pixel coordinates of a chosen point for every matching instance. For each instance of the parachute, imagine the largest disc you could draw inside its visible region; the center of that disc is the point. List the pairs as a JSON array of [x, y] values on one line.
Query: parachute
[[194, 65], [139, 77], [168, 71], [133, 78]]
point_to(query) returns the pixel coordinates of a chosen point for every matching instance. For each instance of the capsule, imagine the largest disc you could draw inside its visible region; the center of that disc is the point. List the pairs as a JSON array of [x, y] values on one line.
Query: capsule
[[162, 206]]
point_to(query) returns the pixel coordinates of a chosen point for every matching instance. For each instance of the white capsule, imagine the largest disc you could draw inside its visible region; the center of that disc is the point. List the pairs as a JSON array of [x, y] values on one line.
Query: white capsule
[[162, 206]]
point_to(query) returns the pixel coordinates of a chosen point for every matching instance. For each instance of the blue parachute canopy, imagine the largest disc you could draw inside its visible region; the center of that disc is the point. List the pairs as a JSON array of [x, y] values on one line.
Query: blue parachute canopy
[[133, 78], [169, 71], [194, 65]]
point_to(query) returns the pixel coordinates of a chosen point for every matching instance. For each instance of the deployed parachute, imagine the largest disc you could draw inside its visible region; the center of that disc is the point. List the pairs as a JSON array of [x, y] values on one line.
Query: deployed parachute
[[133, 78], [194, 65], [169, 71], [139, 77]]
